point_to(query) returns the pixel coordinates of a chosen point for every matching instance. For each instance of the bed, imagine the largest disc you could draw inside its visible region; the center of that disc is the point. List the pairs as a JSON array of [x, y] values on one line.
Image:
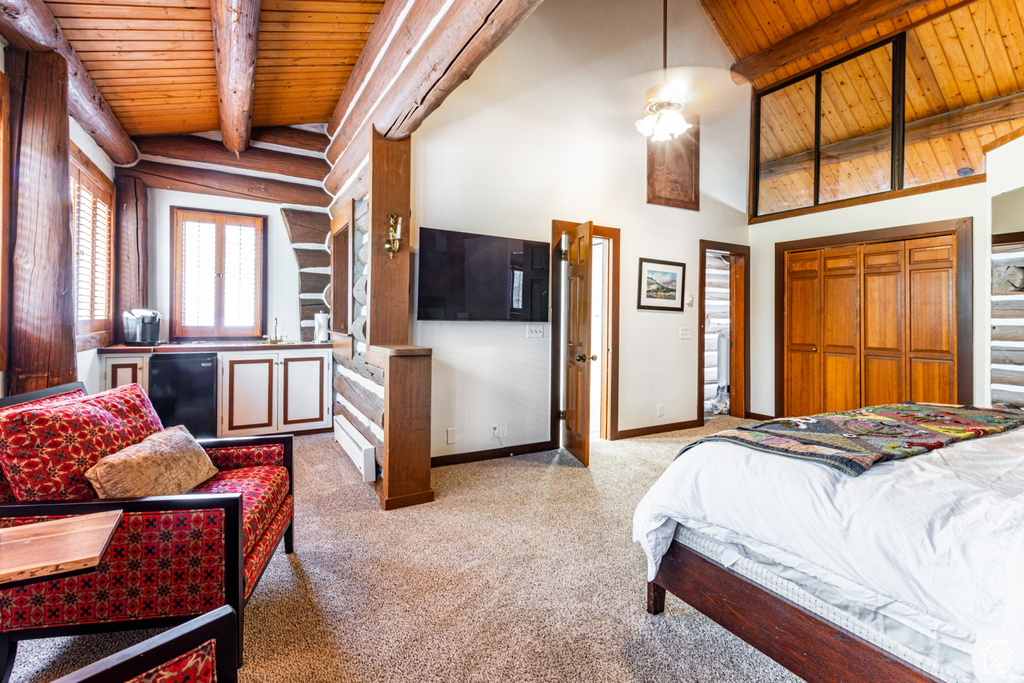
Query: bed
[[907, 572]]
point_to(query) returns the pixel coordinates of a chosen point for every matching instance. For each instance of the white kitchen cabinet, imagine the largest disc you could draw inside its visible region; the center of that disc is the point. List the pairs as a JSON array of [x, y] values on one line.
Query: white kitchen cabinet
[[120, 369], [274, 391]]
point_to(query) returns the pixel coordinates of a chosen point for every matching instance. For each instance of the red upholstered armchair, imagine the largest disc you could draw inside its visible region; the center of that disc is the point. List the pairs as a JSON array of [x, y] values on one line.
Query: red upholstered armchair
[[203, 650], [171, 557]]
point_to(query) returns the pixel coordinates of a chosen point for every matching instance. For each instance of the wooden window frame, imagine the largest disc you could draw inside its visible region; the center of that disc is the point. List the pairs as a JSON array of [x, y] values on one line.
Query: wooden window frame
[[94, 332], [177, 331], [899, 95]]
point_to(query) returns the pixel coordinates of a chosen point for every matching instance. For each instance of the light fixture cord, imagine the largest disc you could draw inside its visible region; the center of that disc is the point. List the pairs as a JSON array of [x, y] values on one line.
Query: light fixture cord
[[664, 38]]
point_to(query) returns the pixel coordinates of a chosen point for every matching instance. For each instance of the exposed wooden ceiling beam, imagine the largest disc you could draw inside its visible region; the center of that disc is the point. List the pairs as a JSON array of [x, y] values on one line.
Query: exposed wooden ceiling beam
[[236, 27], [292, 137], [203, 150], [221, 184], [394, 97], [999, 110], [842, 24], [28, 25]]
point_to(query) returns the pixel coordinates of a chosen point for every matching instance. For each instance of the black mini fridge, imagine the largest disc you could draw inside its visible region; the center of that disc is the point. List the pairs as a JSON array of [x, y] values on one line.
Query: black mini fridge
[[183, 389]]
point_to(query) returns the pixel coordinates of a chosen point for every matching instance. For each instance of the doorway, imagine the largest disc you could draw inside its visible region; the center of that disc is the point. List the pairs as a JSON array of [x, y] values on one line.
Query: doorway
[[584, 345], [723, 345]]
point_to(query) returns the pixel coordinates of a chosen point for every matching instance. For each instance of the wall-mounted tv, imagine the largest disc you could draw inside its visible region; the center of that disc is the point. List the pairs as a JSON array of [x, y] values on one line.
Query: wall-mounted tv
[[463, 276]]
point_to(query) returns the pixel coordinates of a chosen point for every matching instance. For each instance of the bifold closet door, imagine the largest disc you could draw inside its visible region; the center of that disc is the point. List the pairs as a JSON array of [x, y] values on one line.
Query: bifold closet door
[[840, 329], [802, 334], [883, 324], [931, 308]]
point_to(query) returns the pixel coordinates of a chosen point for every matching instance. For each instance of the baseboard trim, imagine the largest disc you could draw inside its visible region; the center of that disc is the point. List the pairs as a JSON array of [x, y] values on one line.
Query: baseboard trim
[[654, 429], [759, 416], [492, 454], [307, 432]]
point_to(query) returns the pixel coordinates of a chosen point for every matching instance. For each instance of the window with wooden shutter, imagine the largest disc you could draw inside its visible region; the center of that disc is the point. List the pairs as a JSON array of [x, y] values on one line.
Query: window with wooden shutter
[[218, 275], [92, 229]]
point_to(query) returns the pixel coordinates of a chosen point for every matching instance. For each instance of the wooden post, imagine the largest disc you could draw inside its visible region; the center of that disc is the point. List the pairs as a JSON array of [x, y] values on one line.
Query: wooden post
[[42, 330], [389, 277], [405, 471], [131, 240], [236, 27]]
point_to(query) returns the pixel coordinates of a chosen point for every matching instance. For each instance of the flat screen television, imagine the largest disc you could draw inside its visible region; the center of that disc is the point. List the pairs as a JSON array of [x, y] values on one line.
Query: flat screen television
[[463, 276]]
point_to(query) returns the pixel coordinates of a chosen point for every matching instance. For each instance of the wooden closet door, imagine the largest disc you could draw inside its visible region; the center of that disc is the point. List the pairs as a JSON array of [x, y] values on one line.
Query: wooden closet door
[[931, 313], [840, 329], [803, 329], [883, 328]]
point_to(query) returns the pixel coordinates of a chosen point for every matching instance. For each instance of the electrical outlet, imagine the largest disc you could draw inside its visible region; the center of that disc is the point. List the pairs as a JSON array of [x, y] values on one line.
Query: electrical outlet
[[504, 428], [685, 333], [534, 331], [494, 431], [450, 434], [661, 410]]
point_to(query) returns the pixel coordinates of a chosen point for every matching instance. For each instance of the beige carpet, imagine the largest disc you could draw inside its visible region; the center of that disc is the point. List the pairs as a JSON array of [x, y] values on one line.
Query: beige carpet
[[523, 569]]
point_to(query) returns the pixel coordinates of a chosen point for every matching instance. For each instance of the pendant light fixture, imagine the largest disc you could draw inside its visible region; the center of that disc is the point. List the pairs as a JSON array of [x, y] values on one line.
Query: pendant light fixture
[[663, 103]]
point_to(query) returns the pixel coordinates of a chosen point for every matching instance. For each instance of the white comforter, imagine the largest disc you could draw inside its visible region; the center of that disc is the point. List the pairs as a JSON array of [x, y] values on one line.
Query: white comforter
[[936, 540]]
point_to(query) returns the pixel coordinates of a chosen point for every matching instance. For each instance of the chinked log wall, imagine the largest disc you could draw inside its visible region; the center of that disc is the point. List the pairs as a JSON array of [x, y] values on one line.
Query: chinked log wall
[[1007, 317], [300, 159]]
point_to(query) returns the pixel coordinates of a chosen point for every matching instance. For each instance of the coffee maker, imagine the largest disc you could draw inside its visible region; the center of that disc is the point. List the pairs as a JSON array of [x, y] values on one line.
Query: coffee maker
[[141, 327]]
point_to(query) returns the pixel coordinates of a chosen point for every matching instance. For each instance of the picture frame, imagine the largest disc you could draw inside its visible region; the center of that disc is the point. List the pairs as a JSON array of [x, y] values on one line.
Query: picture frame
[[660, 285]]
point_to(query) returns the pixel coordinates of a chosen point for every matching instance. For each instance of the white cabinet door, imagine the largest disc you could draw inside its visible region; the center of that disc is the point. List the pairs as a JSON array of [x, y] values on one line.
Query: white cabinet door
[[119, 370], [248, 394], [305, 377]]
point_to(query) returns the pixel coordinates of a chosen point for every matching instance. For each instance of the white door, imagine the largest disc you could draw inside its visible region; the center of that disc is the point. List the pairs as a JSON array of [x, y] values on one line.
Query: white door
[[304, 382], [120, 370], [248, 390]]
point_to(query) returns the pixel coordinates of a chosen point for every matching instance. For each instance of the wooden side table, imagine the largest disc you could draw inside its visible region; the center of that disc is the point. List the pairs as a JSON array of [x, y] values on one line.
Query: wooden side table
[[55, 549]]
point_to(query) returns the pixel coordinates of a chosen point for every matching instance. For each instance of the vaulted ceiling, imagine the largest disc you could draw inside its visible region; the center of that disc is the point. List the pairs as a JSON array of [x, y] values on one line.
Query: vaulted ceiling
[[153, 60]]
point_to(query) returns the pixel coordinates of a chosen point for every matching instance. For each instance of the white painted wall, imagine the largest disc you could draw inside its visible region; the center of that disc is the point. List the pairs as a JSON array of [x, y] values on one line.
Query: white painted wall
[[1008, 212], [282, 270], [545, 130], [90, 368], [970, 201]]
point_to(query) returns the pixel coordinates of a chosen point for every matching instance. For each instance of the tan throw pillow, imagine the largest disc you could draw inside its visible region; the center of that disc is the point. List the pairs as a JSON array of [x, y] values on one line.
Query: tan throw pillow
[[166, 463]]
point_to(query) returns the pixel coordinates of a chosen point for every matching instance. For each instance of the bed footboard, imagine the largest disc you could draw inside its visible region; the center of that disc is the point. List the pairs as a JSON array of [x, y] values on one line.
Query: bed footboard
[[804, 643]]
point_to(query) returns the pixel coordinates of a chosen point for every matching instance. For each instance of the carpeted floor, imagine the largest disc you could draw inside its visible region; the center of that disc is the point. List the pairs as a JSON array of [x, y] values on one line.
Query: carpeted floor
[[523, 569]]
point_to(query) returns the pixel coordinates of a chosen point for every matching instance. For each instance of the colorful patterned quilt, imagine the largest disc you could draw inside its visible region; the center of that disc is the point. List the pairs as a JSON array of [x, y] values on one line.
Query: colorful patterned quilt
[[853, 441]]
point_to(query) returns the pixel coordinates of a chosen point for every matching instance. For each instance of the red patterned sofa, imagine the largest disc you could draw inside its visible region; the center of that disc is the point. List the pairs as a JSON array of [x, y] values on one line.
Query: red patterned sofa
[[171, 557]]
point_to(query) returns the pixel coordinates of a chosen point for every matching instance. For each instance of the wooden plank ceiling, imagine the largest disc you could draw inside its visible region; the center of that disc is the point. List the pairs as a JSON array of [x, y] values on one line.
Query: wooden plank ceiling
[[153, 60], [955, 62]]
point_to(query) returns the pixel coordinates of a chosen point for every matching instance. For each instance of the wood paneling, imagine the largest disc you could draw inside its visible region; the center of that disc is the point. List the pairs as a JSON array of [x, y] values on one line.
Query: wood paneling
[[42, 329], [131, 244], [390, 180], [7, 200], [673, 169], [218, 183]]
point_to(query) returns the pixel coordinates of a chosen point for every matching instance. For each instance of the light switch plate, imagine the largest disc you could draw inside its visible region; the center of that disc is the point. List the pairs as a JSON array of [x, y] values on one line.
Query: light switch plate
[[685, 333], [450, 434], [534, 331]]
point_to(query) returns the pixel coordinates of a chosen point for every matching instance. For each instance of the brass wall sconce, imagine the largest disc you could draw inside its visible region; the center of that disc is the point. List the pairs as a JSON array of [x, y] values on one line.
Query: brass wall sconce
[[392, 241]]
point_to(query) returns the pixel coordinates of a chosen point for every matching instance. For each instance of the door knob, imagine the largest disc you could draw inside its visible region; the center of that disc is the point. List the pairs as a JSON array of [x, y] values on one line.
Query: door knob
[[593, 358], [580, 358]]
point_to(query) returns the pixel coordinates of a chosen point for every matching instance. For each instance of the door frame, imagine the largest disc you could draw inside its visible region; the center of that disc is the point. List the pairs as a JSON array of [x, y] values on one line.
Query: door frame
[[610, 378], [738, 320], [962, 228]]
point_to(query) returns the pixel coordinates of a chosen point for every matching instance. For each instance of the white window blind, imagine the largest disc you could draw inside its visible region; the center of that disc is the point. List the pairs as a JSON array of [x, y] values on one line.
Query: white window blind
[[92, 233], [218, 275]]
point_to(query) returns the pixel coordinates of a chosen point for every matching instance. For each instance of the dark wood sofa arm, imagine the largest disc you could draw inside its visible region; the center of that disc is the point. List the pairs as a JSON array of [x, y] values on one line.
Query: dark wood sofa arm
[[218, 626]]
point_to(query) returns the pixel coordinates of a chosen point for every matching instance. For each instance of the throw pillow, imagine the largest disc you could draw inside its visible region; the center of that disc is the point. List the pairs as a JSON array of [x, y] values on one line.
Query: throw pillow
[[45, 450], [166, 463]]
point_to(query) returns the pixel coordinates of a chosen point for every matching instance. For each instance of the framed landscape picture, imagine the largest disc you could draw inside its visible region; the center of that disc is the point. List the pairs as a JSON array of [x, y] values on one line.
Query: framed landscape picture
[[661, 285]]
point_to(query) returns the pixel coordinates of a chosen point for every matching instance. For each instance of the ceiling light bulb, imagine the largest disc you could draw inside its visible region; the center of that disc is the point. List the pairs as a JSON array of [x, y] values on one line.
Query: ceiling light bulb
[[645, 126]]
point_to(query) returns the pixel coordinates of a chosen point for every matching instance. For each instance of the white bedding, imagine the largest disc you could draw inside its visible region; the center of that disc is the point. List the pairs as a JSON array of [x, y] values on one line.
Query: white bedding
[[935, 541]]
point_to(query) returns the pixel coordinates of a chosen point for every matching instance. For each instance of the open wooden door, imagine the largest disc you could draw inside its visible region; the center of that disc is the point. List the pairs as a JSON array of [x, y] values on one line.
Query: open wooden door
[[577, 342]]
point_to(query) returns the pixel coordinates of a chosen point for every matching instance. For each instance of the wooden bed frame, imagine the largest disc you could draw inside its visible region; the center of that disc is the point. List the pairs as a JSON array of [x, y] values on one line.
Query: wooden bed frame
[[804, 643]]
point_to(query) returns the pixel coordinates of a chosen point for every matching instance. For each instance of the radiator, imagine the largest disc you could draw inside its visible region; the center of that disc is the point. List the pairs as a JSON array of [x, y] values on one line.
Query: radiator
[[356, 446]]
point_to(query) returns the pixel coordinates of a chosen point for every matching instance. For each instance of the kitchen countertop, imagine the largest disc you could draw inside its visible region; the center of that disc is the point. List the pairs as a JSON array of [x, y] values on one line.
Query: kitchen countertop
[[209, 347]]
